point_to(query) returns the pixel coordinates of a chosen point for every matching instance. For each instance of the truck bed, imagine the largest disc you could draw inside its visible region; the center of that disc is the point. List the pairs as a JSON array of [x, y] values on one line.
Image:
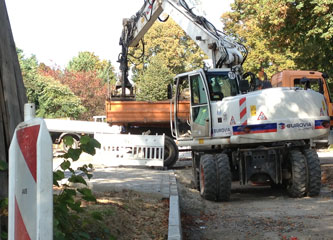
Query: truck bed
[[79, 127], [143, 113]]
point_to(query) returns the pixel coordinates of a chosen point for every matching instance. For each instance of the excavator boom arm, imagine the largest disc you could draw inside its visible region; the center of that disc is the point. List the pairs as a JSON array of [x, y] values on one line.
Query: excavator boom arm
[[223, 50]]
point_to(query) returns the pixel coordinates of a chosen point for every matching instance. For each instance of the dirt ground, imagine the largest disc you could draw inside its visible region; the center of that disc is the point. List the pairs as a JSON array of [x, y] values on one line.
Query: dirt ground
[[253, 213], [125, 214], [128, 215]]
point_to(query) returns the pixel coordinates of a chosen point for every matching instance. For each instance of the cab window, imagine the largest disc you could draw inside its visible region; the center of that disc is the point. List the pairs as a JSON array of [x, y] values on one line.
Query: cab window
[[198, 90], [221, 86], [313, 83]]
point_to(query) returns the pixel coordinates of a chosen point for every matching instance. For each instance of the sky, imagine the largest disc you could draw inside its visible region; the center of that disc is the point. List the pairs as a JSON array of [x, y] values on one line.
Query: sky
[[57, 30]]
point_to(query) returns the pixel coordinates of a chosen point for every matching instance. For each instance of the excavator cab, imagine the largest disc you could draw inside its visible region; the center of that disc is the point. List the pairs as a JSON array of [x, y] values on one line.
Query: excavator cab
[[205, 88], [198, 124]]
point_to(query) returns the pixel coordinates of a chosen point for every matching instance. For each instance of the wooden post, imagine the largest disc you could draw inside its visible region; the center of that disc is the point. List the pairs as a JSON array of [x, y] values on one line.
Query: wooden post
[[12, 95]]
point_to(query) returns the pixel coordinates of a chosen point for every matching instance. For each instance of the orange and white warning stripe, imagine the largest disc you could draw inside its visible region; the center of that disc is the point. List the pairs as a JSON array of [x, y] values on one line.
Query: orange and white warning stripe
[[30, 182], [242, 111]]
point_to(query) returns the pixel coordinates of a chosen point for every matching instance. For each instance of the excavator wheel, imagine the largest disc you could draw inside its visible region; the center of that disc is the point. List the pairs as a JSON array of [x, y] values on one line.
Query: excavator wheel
[[297, 184], [223, 177], [313, 171], [170, 152], [196, 171], [208, 177]]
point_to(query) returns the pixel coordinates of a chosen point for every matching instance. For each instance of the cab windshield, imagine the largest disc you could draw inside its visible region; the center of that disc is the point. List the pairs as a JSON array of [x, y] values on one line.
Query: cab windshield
[[220, 85]]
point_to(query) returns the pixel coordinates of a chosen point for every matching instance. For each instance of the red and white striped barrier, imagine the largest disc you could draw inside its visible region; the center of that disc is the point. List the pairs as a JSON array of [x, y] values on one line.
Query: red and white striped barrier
[[30, 180], [242, 111]]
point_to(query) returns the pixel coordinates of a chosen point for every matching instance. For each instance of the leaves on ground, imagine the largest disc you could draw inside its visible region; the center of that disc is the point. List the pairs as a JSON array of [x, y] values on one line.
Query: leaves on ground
[[127, 215]]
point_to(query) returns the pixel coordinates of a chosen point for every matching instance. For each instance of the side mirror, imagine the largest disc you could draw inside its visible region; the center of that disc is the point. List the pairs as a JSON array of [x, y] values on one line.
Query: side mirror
[[170, 91], [324, 75], [244, 86]]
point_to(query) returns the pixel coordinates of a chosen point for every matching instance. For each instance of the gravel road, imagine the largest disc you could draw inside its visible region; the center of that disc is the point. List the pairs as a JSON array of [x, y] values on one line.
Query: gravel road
[[253, 213]]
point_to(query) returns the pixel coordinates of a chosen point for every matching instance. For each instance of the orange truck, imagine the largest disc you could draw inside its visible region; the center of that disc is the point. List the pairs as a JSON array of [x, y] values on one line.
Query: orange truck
[[314, 80], [145, 117]]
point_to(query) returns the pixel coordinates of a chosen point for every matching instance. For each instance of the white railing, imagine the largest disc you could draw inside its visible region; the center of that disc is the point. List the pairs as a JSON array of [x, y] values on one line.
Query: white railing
[[130, 150]]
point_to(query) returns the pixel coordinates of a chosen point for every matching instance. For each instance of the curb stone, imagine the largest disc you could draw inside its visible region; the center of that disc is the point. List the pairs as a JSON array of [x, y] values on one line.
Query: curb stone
[[174, 229], [326, 193]]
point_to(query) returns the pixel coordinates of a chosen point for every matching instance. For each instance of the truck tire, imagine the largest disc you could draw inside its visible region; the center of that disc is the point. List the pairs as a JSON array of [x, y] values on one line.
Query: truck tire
[[196, 171], [170, 152], [208, 178], [313, 172], [297, 185], [223, 177]]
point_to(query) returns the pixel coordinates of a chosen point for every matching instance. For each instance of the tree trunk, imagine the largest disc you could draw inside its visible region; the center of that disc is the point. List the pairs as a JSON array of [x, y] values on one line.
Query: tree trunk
[[12, 96]]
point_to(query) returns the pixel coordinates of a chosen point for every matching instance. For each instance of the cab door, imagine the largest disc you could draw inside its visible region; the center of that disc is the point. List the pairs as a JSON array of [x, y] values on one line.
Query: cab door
[[200, 107], [181, 126]]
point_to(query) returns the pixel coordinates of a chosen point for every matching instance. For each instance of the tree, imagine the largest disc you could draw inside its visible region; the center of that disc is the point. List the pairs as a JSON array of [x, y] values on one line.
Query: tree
[[56, 100], [303, 28], [52, 99], [89, 88], [152, 84], [307, 27], [29, 66], [243, 23], [87, 76], [89, 62]]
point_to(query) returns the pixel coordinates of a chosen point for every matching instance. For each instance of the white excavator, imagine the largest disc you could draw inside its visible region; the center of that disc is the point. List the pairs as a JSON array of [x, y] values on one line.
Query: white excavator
[[235, 131]]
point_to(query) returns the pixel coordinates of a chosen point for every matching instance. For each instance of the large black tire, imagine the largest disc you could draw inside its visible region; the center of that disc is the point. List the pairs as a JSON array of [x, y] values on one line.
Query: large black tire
[[208, 178], [196, 171], [313, 172], [297, 184], [223, 177], [170, 152]]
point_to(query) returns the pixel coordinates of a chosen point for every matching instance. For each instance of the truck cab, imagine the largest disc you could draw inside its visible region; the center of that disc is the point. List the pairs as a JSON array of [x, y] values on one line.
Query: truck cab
[[314, 80]]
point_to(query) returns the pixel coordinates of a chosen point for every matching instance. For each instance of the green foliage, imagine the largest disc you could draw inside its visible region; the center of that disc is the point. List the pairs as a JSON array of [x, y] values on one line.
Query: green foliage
[[68, 140], [3, 165], [57, 93], [57, 100], [68, 221], [4, 235], [3, 214], [4, 207], [88, 77], [89, 62], [29, 66], [177, 51], [52, 99], [299, 32], [244, 23], [3, 203], [152, 84]]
